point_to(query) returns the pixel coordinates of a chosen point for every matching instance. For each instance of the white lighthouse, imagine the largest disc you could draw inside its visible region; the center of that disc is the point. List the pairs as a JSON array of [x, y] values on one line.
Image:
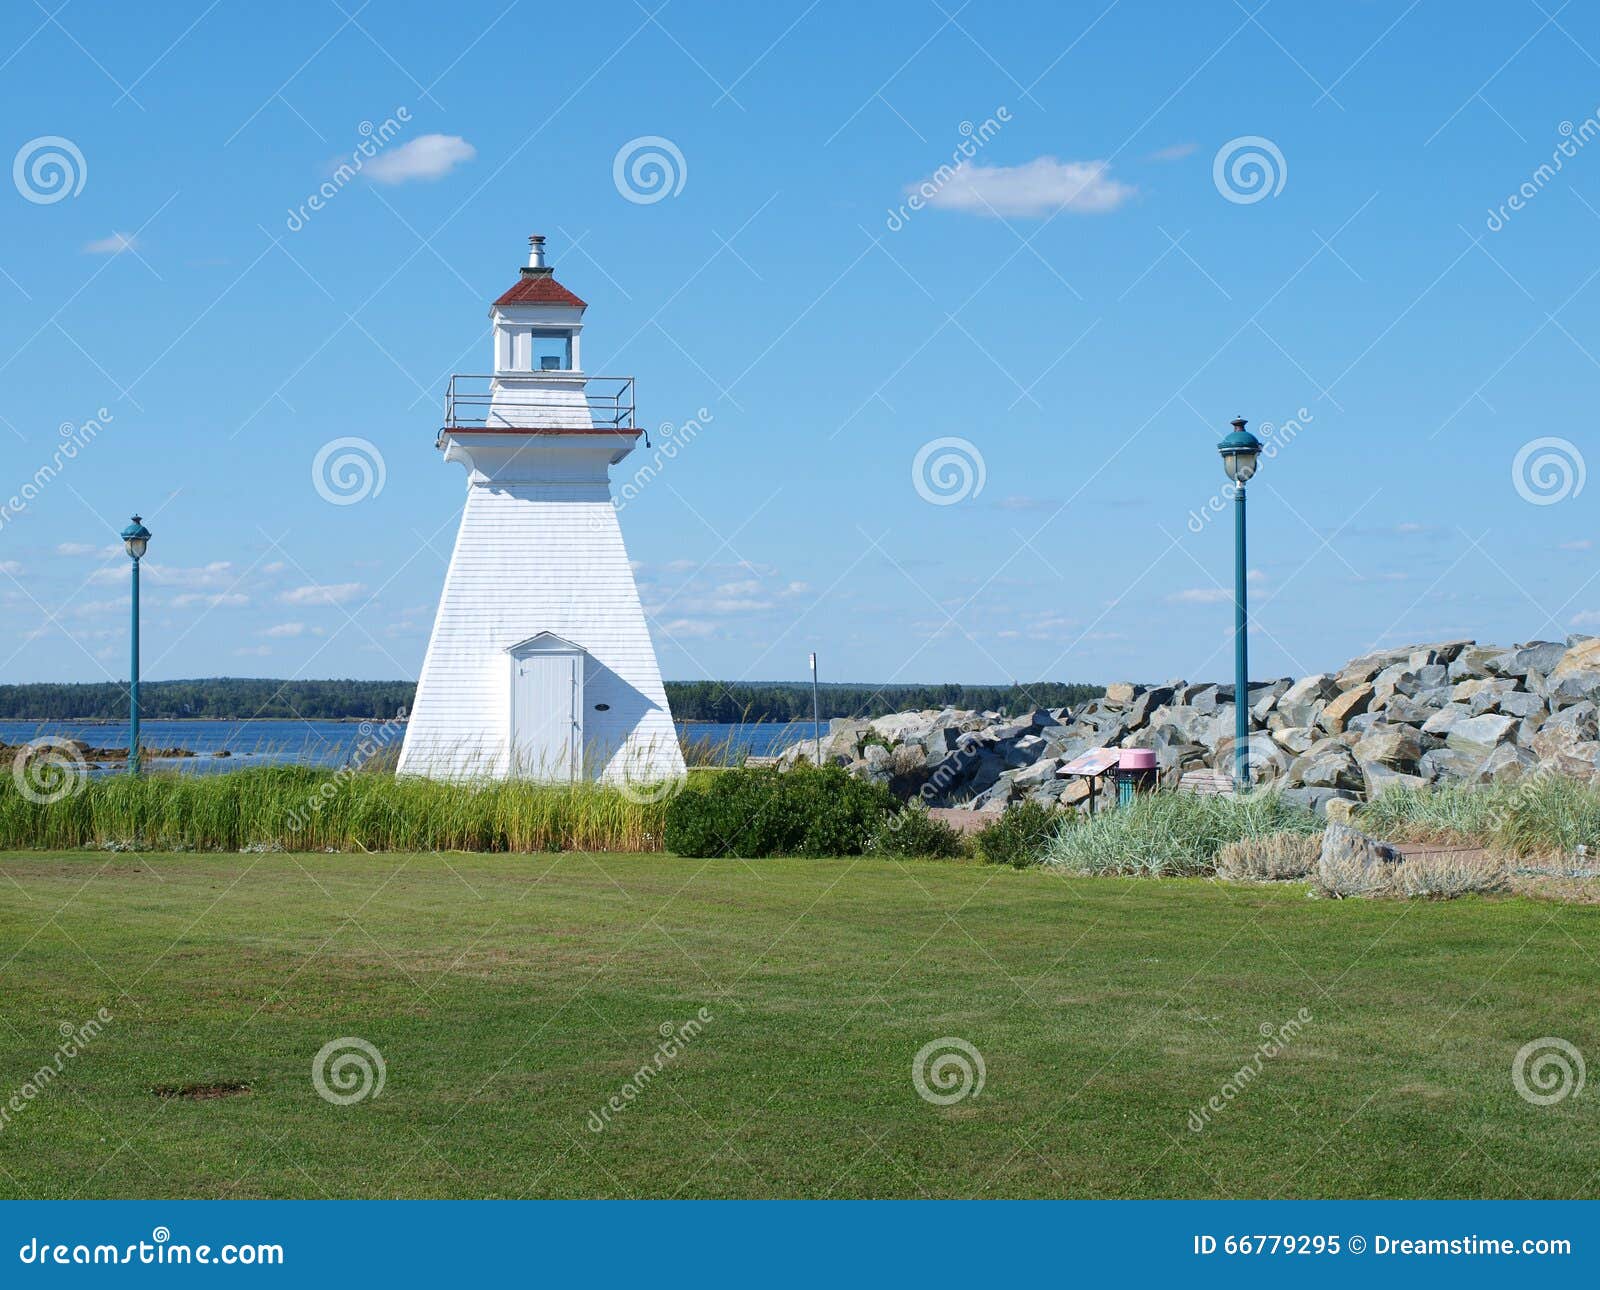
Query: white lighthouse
[[540, 664]]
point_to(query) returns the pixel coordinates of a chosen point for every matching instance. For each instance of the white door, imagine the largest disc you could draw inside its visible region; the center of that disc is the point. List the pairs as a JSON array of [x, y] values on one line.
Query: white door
[[545, 722]]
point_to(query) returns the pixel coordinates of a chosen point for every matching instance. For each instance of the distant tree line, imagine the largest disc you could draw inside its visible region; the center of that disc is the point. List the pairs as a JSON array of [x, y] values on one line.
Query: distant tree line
[[237, 698], [226, 697], [791, 700]]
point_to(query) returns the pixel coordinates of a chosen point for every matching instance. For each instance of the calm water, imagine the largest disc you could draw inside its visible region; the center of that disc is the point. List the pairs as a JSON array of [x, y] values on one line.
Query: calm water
[[316, 743]]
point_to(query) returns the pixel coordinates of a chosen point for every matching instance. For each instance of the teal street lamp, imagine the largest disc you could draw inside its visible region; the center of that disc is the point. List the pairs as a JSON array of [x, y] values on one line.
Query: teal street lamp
[[136, 538], [1239, 452]]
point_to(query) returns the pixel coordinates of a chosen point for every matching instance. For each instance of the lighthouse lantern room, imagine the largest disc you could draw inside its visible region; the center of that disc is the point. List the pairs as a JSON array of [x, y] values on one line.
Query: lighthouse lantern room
[[540, 664]]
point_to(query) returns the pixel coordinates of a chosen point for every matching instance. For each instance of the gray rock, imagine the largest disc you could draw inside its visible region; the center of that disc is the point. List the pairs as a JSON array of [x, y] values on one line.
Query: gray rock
[[1507, 764], [1483, 732], [1518, 703], [1303, 700], [1572, 687], [1352, 863], [1449, 764], [1328, 764], [1395, 747], [1539, 656], [1472, 660], [1402, 711], [1379, 777], [1316, 799], [1297, 739], [1444, 720]]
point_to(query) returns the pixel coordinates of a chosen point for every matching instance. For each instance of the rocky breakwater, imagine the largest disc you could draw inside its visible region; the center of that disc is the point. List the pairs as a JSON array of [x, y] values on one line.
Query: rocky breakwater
[[1451, 711]]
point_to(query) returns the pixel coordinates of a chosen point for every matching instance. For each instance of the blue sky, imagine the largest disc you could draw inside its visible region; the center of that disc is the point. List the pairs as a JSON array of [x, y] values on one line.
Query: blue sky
[[1085, 305]]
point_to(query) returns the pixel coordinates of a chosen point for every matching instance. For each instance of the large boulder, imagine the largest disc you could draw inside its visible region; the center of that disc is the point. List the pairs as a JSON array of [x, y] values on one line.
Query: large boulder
[[1572, 687], [1481, 734], [1333, 716], [1537, 656], [1300, 704], [1352, 863], [1582, 655], [1328, 764], [1508, 764], [1360, 670], [1445, 719], [1396, 747], [1449, 764], [1473, 661]]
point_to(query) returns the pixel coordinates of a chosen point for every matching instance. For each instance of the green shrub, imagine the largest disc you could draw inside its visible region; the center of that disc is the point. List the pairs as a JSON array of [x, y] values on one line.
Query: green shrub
[[913, 832], [1020, 837], [1174, 834], [765, 812]]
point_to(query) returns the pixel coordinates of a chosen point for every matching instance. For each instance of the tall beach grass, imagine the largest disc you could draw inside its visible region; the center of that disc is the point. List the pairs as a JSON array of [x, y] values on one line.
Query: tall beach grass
[[300, 808], [1541, 816]]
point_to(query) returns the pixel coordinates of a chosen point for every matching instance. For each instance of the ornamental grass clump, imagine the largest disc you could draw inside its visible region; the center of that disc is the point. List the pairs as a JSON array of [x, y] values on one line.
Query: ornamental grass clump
[[1277, 857], [1173, 835]]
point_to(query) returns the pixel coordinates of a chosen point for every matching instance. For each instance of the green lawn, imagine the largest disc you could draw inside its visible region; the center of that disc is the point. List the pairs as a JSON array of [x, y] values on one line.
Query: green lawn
[[511, 996]]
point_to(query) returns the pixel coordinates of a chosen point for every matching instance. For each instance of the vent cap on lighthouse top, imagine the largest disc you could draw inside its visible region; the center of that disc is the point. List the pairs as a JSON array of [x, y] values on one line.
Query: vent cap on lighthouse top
[[537, 266]]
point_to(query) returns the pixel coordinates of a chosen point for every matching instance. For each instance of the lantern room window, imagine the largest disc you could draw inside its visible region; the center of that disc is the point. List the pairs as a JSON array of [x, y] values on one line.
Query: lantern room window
[[551, 351]]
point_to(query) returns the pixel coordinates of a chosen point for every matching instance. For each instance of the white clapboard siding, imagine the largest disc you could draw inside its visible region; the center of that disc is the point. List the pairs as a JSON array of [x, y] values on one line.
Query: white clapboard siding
[[530, 559]]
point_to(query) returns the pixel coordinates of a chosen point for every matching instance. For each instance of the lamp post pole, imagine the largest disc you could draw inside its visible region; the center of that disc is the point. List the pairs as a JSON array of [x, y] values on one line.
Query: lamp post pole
[[136, 538], [1240, 451], [1241, 647], [816, 709]]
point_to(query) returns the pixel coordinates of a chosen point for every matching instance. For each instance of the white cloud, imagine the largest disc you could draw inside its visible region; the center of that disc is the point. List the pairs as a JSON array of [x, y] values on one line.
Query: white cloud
[[1201, 596], [749, 587], [286, 629], [1579, 544], [796, 589], [432, 156], [219, 573], [253, 651], [1036, 187], [338, 593], [1588, 618], [87, 548], [1176, 152], [116, 244], [12, 567], [217, 600], [688, 627]]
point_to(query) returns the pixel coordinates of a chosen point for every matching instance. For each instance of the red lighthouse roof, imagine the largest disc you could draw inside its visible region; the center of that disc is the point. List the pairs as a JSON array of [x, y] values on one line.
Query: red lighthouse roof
[[539, 288]]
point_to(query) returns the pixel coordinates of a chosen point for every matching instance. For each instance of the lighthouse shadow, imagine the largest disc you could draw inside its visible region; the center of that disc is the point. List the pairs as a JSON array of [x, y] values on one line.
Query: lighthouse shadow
[[607, 728]]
